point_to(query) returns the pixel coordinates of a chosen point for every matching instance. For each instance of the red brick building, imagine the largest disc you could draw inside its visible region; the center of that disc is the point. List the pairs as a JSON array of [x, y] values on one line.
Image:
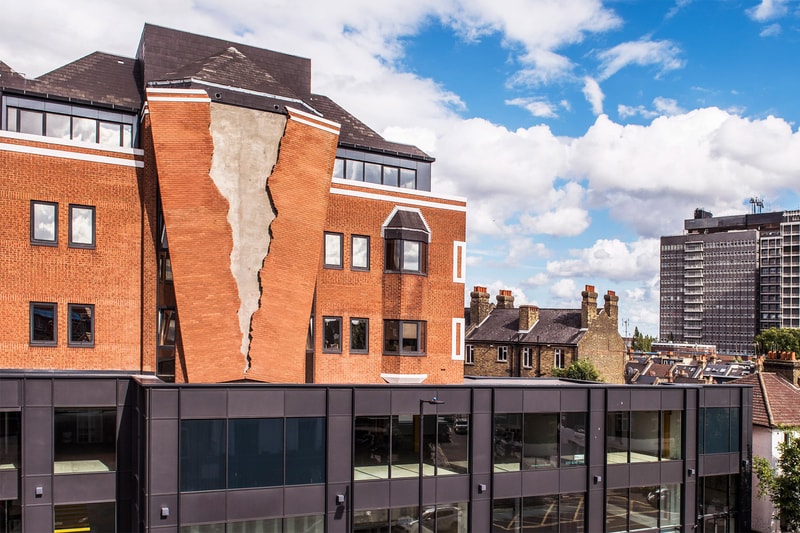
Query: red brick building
[[197, 212]]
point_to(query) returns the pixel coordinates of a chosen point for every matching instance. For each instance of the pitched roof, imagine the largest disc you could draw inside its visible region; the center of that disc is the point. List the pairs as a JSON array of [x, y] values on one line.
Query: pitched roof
[[10, 77], [775, 400], [555, 326]]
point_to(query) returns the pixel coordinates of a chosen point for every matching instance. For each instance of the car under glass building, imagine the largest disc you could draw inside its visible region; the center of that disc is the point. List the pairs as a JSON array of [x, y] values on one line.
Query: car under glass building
[[103, 452]]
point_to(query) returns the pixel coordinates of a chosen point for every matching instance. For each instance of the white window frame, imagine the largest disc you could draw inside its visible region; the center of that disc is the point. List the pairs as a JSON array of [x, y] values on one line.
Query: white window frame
[[527, 357], [558, 358], [502, 354], [469, 355]]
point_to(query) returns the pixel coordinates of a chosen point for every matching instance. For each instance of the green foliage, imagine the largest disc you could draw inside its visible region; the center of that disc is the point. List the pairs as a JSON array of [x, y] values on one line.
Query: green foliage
[[582, 369], [778, 340], [782, 484], [641, 343]]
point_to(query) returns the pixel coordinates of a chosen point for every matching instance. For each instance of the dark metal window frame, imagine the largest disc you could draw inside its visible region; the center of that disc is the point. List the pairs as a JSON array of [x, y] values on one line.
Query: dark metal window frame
[[329, 347], [365, 349], [335, 266], [89, 343], [72, 243], [352, 252], [421, 339], [54, 309], [395, 249], [44, 242]]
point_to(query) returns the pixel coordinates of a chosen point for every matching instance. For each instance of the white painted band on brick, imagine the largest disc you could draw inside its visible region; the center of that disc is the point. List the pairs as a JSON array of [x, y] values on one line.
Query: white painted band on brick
[[178, 99], [151, 90], [314, 124], [391, 188], [314, 117], [398, 200], [48, 152], [70, 142], [459, 258], [459, 324]]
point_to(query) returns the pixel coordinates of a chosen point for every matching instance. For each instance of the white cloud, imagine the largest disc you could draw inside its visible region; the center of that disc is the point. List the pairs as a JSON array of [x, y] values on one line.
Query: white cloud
[[537, 280], [679, 4], [768, 10], [772, 30], [663, 54], [661, 106], [594, 95], [610, 259], [565, 290], [538, 107]]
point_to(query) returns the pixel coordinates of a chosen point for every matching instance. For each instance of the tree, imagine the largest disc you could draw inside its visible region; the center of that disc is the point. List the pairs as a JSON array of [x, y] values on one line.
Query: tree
[[778, 340], [782, 483], [582, 369], [641, 343]]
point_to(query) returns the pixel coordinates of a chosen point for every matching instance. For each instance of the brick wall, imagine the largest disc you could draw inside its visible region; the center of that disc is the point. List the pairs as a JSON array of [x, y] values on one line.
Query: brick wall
[[604, 347]]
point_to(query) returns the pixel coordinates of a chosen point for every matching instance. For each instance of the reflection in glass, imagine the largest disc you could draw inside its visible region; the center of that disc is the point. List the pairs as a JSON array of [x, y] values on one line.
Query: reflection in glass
[[304, 524], [30, 121], [573, 439], [670, 498], [255, 452], [358, 334], [390, 176], [202, 458], [507, 442], [333, 249], [644, 503], [372, 173], [354, 170], [371, 448], [411, 256], [109, 133], [644, 436], [505, 515], [81, 324], [338, 168], [58, 126], [540, 441], [671, 430], [616, 510], [9, 440], [540, 513], [44, 222], [408, 178], [84, 129], [269, 525], [81, 226], [44, 320], [84, 440], [85, 517], [332, 334], [375, 521], [305, 451], [617, 425], [360, 251], [571, 513]]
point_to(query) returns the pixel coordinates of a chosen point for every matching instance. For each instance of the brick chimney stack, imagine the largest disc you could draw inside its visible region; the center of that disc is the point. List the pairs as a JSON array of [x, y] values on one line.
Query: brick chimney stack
[[588, 306], [528, 316], [505, 300], [612, 307], [479, 305]]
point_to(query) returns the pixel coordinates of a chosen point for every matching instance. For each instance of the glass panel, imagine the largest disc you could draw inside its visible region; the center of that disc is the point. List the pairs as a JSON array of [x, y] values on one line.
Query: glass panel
[[360, 252], [393, 254], [405, 446], [43, 323], [377, 521], [10, 516], [354, 170], [338, 168], [81, 225], [617, 437], [165, 364], [411, 256], [57, 126], [305, 451], [358, 334], [202, 459], [87, 517], [671, 440], [444, 518], [371, 448], [507, 442], [573, 439], [333, 249], [391, 336], [81, 324], [390, 176], [403, 519], [11, 119], [31, 121], [617, 510], [255, 452], [644, 508], [540, 514], [455, 445], [717, 427], [408, 178], [84, 440], [109, 133], [506, 516], [84, 129], [204, 528], [270, 525], [127, 135], [372, 173], [410, 337], [734, 425], [644, 436], [571, 513], [9, 441], [332, 334], [540, 442], [166, 327], [715, 494], [304, 524], [670, 498], [44, 222]]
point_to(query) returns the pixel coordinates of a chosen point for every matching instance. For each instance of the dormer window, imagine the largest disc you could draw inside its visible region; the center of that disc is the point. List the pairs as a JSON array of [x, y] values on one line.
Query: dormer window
[[406, 235]]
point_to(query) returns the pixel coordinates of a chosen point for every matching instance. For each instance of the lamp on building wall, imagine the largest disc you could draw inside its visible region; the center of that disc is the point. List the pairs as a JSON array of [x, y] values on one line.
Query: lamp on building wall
[[433, 401]]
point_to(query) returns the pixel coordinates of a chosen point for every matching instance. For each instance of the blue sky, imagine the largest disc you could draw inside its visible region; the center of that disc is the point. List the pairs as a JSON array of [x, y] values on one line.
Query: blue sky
[[578, 130]]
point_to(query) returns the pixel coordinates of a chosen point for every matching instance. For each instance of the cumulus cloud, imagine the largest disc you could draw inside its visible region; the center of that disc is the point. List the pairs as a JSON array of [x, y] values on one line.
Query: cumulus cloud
[[662, 54], [536, 106], [565, 290], [768, 10], [594, 95], [661, 106], [610, 259], [771, 31]]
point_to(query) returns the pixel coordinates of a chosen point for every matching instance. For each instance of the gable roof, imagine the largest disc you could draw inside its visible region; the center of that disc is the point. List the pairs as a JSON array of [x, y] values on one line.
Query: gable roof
[[775, 400], [555, 326]]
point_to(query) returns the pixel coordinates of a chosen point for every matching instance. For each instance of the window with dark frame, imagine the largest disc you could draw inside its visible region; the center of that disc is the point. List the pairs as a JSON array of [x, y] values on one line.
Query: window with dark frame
[[359, 252], [44, 223], [165, 343], [333, 250], [404, 337], [359, 335], [81, 226], [44, 323], [70, 127], [332, 334], [81, 325], [406, 256]]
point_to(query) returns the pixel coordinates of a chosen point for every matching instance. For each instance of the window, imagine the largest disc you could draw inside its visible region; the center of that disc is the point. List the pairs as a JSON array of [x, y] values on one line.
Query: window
[[538, 440], [404, 337], [558, 358], [375, 173], [563, 512], [643, 436], [44, 223], [527, 357], [359, 259], [81, 226], [305, 451], [502, 354], [202, 460], [165, 344], [44, 323], [85, 440], [9, 441], [332, 334], [359, 335], [406, 256], [81, 325], [333, 250], [470, 356], [638, 508], [720, 430], [85, 517], [254, 452]]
